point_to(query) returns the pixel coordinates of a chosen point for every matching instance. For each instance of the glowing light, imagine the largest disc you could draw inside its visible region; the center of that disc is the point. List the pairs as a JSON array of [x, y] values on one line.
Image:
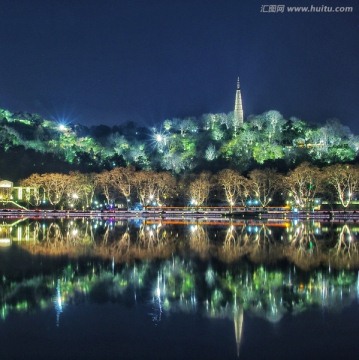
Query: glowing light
[[58, 303], [5, 242]]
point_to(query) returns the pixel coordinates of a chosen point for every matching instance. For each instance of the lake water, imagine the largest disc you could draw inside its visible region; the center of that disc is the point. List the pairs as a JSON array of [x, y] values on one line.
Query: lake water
[[178, 289]]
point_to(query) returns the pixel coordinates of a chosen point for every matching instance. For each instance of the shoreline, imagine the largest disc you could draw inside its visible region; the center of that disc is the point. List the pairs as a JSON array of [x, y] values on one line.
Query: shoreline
[[186, 214]]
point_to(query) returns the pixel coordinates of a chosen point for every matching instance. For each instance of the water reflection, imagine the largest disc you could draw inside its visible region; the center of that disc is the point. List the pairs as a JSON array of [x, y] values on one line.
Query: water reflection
[[307, 244], [193, 267]]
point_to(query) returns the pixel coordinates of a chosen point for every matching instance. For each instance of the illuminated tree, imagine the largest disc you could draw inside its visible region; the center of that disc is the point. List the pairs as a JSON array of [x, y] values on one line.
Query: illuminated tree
[[174, 162], [187, 126], [166, 187], [82, 188], [302, 184], [5, 114], [211, 153], [263, 184], [55, 186], [103, 181], [267, 151], [199, 189], [227, 120], [240, 147], [146, 186], [167, 125], [118, 143], [36, 196], [258, 122], [36, 145], [122, 180], [188, 147], [344, 180], [138, 155], [234, 185], [9, 137], [274, 125], [209, 121]]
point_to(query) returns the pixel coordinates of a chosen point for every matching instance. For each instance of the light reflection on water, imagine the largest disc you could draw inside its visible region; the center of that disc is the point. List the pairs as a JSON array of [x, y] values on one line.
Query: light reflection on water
[[221, 271]]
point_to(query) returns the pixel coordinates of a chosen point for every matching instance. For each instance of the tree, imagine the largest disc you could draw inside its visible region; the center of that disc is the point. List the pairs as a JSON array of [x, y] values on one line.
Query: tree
[[146, 186], [267, 151], [55, 186], [263, 184], [166, 187], [121, 179], [234, 185], [173, 161], [274, 125], [138, 155], [82, 188], [211, 153], [344, 180], [118, 144], [34, 181], [302, 184], [199, 189], [154, 188], [103, 181]]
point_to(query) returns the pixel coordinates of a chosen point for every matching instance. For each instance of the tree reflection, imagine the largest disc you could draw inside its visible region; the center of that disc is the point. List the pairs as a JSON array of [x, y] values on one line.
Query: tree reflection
[[177, 284], [303, 238], [236, 243], [307, 244], [347, 242], [346, 250], [199, 240], [304, 249], [138, 262], [122, 246]]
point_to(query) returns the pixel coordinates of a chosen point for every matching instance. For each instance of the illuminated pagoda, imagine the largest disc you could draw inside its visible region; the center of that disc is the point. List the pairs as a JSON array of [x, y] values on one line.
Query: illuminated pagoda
[[238, 108]]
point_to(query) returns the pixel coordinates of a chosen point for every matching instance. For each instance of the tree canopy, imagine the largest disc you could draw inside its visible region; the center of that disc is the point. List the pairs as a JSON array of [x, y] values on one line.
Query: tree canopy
[[212, 141]]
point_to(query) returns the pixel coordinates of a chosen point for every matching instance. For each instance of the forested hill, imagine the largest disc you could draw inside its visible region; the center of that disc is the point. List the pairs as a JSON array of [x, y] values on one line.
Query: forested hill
[[30, 143]]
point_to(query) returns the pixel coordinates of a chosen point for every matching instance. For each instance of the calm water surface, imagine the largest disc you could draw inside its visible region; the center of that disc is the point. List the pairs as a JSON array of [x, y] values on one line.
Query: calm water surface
[[105, 289]]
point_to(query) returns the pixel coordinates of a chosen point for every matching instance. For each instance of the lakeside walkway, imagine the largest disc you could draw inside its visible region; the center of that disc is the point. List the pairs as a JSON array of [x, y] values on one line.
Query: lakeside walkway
[[178, 213]]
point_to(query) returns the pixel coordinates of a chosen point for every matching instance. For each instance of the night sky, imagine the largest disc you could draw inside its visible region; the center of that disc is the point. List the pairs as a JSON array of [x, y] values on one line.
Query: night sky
[[111, 61]]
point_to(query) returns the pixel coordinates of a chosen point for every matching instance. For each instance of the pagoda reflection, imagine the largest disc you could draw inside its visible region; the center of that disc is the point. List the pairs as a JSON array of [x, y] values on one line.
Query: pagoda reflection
[[224, 270]]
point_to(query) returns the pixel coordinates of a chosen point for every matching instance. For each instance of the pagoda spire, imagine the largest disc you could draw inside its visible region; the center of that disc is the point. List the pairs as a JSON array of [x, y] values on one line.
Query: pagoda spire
[[238, 108]]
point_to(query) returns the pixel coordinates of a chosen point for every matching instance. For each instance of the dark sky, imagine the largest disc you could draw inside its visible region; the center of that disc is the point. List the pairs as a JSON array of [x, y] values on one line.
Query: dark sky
[[110, 61]]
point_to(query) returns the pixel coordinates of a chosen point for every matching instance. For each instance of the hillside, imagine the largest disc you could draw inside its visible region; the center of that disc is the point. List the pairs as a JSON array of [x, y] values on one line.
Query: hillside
[[211, 142]]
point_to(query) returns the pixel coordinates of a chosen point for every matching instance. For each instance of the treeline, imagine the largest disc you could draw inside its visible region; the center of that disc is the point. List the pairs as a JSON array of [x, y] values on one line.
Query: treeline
[[300, 188], [211, 141]]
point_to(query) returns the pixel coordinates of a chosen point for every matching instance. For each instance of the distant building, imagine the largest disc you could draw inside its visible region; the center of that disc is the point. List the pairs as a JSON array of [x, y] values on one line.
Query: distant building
[[238, 107], [10, 193], [6, 184], [6, 188]]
